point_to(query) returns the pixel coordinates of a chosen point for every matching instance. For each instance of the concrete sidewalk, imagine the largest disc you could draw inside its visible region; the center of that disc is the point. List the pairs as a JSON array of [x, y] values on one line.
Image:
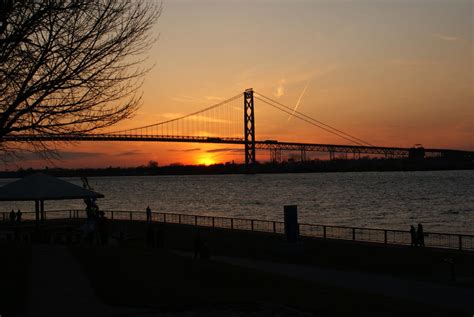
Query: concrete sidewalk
[[60, 288], [457, 298]]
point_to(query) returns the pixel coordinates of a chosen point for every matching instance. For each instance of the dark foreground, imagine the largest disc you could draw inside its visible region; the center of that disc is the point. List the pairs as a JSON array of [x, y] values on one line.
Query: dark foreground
[[164, 278]]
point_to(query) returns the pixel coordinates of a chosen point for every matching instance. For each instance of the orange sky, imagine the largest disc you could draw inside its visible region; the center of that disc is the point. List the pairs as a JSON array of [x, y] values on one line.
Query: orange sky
[[394, 73]]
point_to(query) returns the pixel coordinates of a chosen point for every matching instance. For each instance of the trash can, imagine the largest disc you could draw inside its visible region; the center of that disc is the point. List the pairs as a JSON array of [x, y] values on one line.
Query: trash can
[[291, 223]]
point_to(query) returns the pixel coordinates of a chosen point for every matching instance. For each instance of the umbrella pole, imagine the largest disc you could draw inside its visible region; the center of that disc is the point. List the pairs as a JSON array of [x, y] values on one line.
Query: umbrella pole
[[42, 210], [37, 207]]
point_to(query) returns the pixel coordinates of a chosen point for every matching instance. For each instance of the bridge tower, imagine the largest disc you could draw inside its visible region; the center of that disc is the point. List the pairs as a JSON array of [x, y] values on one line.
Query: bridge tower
[[249, 128]]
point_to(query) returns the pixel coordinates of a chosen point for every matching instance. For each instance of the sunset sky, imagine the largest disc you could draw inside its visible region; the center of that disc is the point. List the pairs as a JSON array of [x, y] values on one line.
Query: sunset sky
[[392, 72]]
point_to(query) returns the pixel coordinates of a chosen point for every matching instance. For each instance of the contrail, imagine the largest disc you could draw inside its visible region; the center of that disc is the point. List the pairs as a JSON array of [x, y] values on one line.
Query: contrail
[[299, 99]]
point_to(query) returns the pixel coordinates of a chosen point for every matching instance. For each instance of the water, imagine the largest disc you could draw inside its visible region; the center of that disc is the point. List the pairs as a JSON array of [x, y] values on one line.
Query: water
[[442, 200]]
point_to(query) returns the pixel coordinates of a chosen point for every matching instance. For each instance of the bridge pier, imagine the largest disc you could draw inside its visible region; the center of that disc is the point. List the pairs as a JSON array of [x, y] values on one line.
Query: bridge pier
[[303, 155], [275, 155]]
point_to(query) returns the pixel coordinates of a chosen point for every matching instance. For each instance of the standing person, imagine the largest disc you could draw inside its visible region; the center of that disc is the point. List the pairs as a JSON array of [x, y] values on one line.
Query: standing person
[[148, 214], [414, 240], [420, 235], [18, 216], [12, 217]]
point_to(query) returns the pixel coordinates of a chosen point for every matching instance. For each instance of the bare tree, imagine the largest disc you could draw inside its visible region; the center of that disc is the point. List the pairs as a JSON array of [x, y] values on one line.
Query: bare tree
[[71, 66]]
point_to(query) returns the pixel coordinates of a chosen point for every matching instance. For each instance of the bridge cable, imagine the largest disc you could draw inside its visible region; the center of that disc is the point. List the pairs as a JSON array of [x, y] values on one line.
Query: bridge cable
[[293, 111], [290, 112], [180, 118]]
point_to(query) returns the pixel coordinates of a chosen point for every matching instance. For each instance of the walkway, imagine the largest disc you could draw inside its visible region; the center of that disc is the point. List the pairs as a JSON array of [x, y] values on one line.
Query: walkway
[[461, 299], [60, 288]]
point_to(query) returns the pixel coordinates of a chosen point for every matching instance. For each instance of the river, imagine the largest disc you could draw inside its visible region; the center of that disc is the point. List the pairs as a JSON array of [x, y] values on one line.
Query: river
[[442, 201]]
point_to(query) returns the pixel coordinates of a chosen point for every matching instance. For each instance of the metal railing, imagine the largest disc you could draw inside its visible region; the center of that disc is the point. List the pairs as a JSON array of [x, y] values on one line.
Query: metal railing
[[384, 236]]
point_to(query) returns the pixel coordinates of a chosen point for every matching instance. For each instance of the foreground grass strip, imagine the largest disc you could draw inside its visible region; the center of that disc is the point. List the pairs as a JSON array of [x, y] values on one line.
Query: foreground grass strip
[[157, 278]]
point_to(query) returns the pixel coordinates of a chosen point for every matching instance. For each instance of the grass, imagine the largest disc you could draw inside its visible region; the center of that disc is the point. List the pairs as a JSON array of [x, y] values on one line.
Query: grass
[[15, 278], [161, 279]]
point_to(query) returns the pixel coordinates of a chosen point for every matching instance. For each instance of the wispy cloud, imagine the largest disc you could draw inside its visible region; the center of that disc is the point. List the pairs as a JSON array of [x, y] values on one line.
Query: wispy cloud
[[59, 155], [186, 99], [185, 150], [411, 63], [214, 98], [190, 99], [129, 153], [172, 115], [445, 37], [223, 150], [280, 89]]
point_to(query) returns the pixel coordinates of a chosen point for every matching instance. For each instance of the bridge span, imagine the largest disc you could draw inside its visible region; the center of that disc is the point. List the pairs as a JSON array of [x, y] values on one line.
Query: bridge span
[[272, 145], [222, 124]]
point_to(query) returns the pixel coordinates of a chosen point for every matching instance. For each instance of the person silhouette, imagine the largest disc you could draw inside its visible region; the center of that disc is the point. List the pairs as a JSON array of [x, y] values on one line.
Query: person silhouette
[[414, 240], [148, 214], [12, 217], [420, 236], [18, 216]]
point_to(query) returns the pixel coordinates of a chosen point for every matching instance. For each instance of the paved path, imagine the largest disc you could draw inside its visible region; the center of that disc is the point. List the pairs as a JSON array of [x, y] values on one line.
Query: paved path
[[461, 299], [60, 288]]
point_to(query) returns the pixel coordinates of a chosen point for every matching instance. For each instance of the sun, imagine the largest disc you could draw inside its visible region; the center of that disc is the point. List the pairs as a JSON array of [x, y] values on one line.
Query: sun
[[206, 160]]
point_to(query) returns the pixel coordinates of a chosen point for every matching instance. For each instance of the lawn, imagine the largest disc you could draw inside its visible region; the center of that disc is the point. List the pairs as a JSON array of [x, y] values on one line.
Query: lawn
[[168, 282]]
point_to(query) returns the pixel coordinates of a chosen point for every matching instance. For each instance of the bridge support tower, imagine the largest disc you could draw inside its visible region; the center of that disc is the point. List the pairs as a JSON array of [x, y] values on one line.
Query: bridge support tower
[[249, 128]]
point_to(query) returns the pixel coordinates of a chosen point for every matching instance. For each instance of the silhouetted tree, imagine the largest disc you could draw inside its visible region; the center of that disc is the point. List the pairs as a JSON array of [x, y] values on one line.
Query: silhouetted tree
[[153, 164], [71, 66]]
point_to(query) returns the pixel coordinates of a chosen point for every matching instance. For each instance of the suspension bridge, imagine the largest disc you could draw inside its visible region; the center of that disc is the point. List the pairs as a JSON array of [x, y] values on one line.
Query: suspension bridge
[[222, 124]]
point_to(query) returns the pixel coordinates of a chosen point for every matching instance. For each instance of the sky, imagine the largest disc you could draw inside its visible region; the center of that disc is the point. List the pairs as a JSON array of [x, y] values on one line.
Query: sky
[[391, 72]]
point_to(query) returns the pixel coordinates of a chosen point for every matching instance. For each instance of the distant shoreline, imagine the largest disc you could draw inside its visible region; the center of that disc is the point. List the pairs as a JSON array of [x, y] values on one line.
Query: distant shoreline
[[338, 165]]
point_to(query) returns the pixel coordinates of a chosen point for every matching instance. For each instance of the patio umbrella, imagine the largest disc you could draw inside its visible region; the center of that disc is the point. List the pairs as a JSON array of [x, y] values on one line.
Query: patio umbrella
[[40, 187]]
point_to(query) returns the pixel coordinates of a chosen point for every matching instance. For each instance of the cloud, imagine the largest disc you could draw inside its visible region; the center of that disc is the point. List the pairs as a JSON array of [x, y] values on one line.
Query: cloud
[[280, 90], [78, 155], [189, 99], [61, 155], [214, 98], [411, 63], [223, 150], [185, 99], [445, 37], [185, 150], [129, 153], [171, 115]]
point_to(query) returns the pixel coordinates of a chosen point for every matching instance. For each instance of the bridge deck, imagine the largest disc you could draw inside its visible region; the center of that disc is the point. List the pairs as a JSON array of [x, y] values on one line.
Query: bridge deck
[[266, 144]]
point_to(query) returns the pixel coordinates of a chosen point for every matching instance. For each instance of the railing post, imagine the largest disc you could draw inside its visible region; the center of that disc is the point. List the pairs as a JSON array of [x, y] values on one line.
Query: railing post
[[70, 214], [3, 216], [130, 215], [179, 218], [460, 242], [274, 227], [232, 223], [251, 224], [213, 222], [195, 220], [385, 236], [324, 232], [353, 234], [164, 218], [112, 215]]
